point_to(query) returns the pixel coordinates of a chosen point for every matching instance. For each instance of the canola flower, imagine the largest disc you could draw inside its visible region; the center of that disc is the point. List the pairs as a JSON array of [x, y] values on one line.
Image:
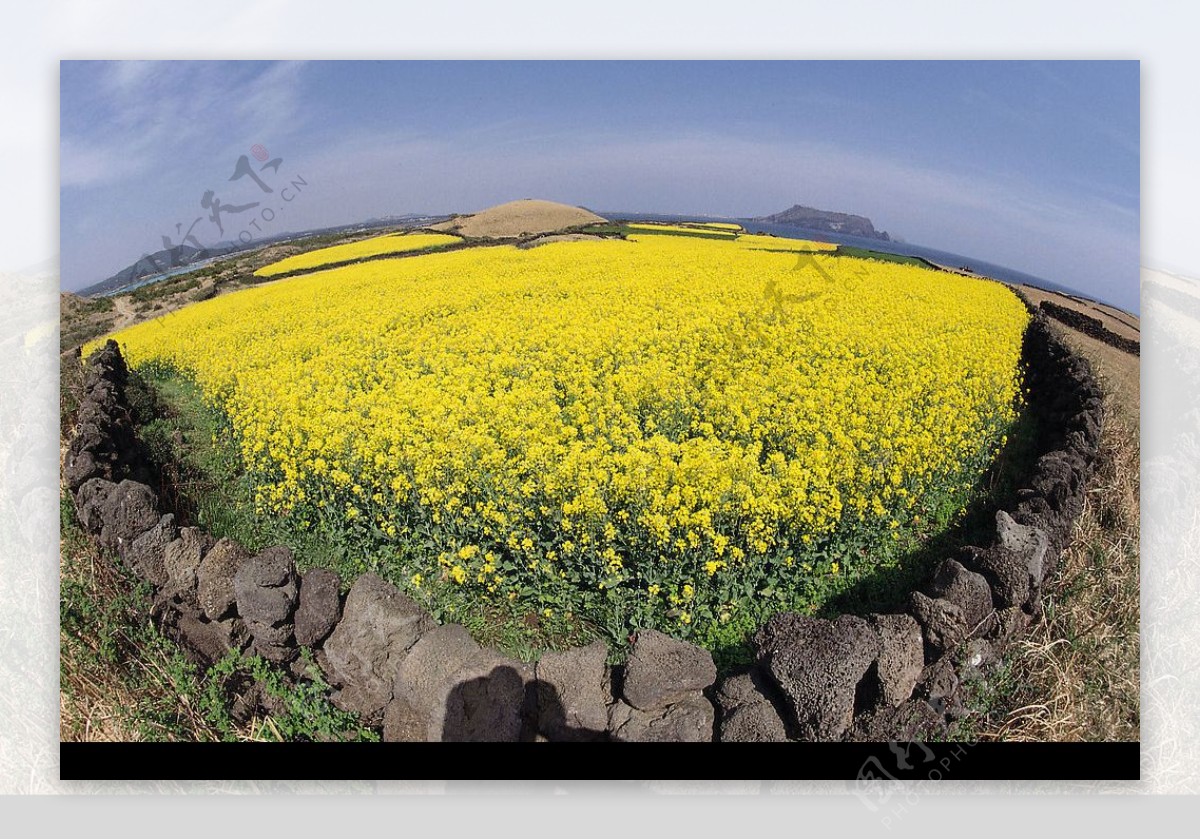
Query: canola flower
[[393, 243], [672, 423], [778, 243]]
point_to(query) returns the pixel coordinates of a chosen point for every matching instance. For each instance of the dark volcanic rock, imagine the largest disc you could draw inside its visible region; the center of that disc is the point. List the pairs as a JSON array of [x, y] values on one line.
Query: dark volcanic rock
[[90, 500], [745, 710], [80, 467], [1088, 325], [1011, 623], [320, 606], [901, 657], [211, 640], [129, 511], [574, 690], [147, 553], [214, 577], [378, 626], [690, 719], [487, 701], [1006, 572], [969, 591], [662, 670], [424, 674], [402, 723], [817, 665], [182, 559], [265, 588], [459, 691], [911, 721], [1028, 542], [941, 621], [939, 685]]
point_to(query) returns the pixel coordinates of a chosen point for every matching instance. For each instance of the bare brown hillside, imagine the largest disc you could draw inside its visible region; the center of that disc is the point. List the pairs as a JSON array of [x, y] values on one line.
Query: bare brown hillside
[[520, 218]]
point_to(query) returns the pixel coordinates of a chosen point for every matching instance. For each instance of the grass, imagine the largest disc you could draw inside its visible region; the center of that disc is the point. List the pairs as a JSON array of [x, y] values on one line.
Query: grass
[[698, 234], [89, 318], [1075, 674], [122, 679], [464, 242], [881, 256], [886, 589]]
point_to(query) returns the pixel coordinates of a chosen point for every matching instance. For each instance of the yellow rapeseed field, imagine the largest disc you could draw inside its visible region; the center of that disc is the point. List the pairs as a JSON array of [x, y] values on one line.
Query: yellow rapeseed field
[[678, 429], [754, 240], [392, 243]]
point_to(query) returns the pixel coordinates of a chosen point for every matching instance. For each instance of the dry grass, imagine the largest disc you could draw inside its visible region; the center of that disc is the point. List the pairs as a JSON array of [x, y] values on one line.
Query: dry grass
[[1075, 676], [519, 218], [119, 680]]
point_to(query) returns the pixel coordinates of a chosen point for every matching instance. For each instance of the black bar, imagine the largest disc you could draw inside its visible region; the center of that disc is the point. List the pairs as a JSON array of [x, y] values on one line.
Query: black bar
[[300, 761]]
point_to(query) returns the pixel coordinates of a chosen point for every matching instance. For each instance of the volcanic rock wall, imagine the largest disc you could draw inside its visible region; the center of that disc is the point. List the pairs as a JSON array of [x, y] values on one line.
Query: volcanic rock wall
[[875, 677], [1088, 325]]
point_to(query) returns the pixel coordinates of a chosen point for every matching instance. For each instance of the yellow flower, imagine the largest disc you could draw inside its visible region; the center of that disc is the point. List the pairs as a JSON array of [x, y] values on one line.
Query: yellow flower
[[390, 244], [612, 398], [416, 580]]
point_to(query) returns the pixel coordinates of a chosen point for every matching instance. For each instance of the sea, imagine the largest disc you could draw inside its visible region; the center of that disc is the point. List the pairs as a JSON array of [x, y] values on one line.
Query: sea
[[946, 258], [166, 275]]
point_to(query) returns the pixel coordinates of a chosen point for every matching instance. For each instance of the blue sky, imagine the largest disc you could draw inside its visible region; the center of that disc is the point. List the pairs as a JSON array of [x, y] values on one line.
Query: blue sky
[[1032, 165]]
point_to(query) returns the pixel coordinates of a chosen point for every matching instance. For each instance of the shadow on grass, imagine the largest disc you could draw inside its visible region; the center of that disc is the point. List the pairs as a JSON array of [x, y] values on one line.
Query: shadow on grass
[[887, 588]]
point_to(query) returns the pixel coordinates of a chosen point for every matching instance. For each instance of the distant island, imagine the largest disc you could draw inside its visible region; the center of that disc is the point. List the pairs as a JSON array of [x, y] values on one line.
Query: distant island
[[826, 221]]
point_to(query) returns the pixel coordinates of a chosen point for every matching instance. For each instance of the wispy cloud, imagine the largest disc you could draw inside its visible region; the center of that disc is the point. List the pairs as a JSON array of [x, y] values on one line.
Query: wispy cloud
[[134, 117], [1068, 235]]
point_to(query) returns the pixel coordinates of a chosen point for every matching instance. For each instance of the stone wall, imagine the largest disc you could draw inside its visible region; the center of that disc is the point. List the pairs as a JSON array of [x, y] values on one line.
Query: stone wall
[[873, 677], [1088, 325]]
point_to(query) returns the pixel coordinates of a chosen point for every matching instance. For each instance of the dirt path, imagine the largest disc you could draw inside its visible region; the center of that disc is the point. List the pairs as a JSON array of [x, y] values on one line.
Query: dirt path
[[123, 304]]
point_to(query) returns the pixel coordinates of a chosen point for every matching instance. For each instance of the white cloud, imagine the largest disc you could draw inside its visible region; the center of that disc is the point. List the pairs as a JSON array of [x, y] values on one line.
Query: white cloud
[[1062, 235], [146, 112]]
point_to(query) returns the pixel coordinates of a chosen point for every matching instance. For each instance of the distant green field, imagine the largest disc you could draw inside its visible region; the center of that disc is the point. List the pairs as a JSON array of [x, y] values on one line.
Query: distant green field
[[863, 253]]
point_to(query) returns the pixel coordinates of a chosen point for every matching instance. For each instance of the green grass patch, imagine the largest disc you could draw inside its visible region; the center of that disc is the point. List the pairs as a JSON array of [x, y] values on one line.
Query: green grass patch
[[389, 255], [727, 236], [880, 256]]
